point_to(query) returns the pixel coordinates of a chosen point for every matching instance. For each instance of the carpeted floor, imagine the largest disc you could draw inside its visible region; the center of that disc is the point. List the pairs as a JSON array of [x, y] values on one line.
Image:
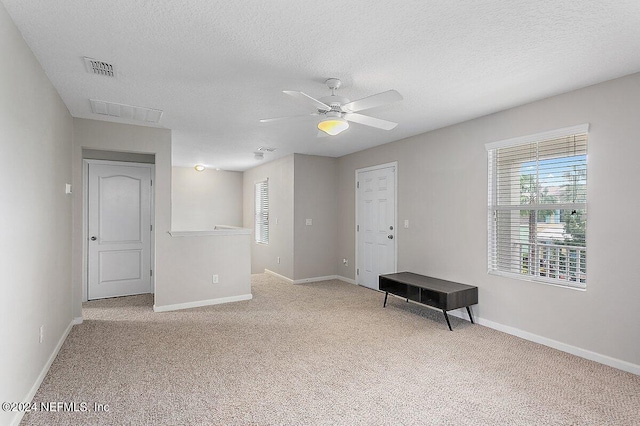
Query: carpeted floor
[[323, 353]]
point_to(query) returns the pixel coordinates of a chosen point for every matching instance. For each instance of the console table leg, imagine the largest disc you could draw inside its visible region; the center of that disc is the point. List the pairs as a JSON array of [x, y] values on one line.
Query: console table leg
[[470, 317], [386, 294], [447, 318]]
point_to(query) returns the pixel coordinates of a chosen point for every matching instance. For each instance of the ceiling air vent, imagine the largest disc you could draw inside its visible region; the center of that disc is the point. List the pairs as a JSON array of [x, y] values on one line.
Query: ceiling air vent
[[99, 67], [266, 149], [147, 115]]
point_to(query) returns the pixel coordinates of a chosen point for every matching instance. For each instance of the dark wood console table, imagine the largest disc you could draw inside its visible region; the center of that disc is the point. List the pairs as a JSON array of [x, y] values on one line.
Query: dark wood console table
[[441, 294]]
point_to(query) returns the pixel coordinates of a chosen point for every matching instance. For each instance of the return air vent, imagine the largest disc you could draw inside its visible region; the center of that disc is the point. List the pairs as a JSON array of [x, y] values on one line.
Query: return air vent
[[148, 115], [99, 67]]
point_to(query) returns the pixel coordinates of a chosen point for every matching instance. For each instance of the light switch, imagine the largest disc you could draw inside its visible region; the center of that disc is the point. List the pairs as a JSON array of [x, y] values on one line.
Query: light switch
[[309, 222], [67, 188]]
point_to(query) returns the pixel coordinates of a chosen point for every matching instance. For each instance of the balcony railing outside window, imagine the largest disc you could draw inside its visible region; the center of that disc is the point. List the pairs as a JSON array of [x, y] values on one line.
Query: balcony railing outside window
[[567, 263]]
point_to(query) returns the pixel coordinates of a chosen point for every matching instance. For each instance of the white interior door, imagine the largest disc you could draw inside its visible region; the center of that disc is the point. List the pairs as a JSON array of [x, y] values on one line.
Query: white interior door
[[376, 224], [119, 213]]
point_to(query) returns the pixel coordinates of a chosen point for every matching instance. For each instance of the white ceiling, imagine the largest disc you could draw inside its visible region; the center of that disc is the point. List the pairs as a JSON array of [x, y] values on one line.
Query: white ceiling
[[217, 67]]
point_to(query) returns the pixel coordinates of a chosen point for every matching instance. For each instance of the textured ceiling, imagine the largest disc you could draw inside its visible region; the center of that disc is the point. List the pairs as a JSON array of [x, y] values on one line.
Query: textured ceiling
[[217, 67]]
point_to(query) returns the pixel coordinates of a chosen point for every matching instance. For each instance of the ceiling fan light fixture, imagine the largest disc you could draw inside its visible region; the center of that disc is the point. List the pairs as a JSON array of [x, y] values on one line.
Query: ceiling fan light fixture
[[333, 126], [336, 111]]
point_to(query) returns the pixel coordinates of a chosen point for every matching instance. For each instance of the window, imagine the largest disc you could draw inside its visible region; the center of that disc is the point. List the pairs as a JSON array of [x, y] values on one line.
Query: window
[[261, 215], [538, 207]]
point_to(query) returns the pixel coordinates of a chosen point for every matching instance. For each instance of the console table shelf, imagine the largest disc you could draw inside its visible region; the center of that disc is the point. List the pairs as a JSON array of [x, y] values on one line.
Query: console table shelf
[[441, 294]]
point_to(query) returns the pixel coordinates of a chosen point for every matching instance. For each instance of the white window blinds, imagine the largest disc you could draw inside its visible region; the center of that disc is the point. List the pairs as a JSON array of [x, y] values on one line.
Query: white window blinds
[[262, 212], [538, 207]]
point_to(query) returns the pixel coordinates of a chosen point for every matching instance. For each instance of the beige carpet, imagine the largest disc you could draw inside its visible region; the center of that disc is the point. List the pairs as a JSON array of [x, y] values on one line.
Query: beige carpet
[[323, 353]]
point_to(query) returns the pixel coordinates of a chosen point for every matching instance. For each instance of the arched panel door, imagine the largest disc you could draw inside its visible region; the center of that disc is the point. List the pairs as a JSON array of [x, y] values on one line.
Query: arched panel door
[[119, 212]]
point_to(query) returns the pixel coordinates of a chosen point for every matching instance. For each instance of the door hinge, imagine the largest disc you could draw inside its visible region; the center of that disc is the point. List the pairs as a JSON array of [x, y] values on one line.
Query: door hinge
[[151, 272], [357, 184], [357, 228], [357, 271], [151, 182], [151, 226]]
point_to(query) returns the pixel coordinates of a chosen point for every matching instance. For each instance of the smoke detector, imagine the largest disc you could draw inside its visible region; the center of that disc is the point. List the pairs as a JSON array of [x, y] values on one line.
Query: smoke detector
[[97, 67], [266, 149]]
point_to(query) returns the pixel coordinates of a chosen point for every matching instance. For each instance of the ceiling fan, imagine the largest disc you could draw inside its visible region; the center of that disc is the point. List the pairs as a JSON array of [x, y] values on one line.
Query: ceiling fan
[[336, 111]]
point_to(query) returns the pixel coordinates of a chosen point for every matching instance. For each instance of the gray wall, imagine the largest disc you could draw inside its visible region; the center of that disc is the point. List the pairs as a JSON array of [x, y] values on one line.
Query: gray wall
[[443, 193], [202, 200], [35, 218], [300, 187], [205, 255], [264, 256], [129, 157], [316, 198], [125, 138]]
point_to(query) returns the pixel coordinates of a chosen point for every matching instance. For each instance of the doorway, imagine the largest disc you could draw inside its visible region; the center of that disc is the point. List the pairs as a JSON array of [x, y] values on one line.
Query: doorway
[[119, 228], [376, 242]]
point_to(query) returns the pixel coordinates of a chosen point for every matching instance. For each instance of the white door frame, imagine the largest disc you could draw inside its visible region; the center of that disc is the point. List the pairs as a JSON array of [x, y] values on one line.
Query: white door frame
[[85, 219], [395, 214]]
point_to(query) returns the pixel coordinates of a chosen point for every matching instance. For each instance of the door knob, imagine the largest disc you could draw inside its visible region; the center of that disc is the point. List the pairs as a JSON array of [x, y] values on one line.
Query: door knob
[[390, 237], [93, 238]]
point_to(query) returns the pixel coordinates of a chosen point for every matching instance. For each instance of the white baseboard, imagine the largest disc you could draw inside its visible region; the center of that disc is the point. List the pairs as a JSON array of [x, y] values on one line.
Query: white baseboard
[[310, 280], [275, 274], [43, 373], [315, 279], [77, 321], [346, 280], [574, 350], [200, 303]]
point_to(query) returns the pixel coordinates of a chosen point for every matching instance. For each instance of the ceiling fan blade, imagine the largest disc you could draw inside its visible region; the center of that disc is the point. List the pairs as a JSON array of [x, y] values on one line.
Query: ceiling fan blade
[[373, 101], [370, 121], [308, 100], [270, 120]]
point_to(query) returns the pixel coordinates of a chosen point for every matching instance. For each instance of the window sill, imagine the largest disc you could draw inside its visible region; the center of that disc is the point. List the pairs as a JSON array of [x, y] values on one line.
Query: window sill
[[541, 280]]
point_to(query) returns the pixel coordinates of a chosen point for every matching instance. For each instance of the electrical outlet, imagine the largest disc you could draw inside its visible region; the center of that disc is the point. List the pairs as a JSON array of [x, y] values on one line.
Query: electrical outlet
[[406, 223], [41, 333], [278, 259], [215, 278], [309, 222]]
